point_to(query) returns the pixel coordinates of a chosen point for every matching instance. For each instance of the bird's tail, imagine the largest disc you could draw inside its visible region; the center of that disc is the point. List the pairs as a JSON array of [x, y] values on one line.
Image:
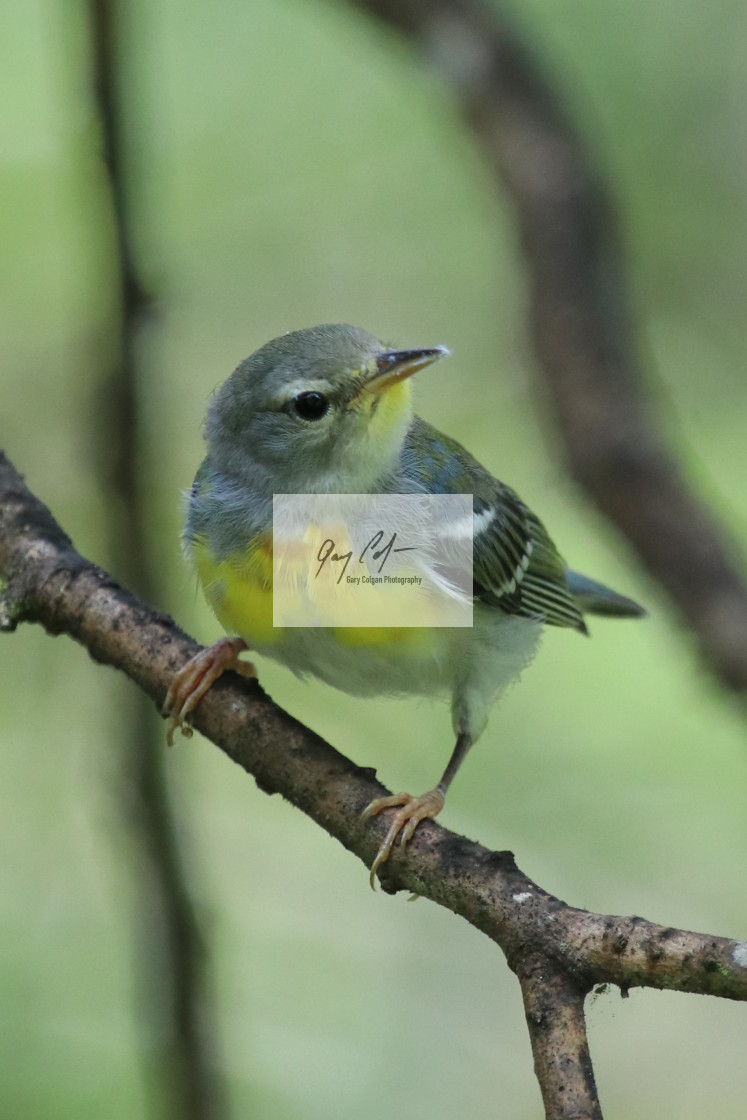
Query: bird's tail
[[595, 598]]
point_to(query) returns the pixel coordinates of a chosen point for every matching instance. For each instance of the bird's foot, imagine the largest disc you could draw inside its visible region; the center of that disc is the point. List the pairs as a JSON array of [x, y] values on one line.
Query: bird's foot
[[194, 679], [407, 818]]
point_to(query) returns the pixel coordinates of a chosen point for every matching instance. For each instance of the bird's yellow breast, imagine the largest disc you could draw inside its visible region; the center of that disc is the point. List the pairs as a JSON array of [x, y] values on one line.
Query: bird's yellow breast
[[239, 591]]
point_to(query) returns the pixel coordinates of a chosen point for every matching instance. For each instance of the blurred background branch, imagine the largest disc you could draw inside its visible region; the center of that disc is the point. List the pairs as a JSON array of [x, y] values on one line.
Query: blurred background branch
[[581, 325], [170, 956]]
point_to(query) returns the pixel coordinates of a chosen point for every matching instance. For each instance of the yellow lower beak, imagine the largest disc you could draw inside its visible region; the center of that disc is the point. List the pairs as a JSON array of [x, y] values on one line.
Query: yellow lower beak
[[396, 365]]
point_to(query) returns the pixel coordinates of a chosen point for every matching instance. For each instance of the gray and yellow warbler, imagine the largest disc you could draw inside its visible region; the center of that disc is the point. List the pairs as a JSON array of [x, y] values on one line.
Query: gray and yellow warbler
[[328, 410]]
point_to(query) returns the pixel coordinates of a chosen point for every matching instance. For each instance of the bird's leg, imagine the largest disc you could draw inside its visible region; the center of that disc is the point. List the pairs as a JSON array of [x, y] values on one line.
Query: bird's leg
[[194, 679], [413, 810]]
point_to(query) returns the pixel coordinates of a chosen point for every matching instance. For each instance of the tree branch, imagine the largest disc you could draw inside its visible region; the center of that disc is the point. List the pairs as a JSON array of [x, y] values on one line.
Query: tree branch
[[558, 952], [554, 1008]]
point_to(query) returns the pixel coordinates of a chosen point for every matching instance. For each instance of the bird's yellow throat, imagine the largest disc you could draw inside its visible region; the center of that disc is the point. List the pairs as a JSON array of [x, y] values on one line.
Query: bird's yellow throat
[[390, 414]]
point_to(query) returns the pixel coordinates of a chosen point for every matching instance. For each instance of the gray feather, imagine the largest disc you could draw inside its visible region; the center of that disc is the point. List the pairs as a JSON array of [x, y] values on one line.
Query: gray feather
[[595, 598]]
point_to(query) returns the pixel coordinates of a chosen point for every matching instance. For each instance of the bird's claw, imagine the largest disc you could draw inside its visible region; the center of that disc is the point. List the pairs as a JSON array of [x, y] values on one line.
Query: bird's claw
[[412, 811], [195, 678]]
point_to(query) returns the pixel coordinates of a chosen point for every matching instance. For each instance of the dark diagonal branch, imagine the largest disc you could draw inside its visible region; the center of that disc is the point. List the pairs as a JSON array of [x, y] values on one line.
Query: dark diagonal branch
[[581, 321], [558, 952]]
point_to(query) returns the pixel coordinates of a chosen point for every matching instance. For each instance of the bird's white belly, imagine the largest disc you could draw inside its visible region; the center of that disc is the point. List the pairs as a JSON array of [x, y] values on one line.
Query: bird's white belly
[[480, 660], [366, 667]]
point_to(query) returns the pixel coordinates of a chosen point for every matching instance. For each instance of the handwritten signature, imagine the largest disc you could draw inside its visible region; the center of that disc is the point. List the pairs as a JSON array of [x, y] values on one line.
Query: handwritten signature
[[328, 552]]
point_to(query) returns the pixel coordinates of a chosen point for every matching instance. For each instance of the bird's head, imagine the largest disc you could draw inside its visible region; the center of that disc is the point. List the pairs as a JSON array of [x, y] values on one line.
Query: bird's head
[[324, 409]]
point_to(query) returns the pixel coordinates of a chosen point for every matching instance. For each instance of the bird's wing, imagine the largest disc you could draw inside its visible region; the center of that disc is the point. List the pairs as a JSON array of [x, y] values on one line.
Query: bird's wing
[[516, 566], [502, 547]]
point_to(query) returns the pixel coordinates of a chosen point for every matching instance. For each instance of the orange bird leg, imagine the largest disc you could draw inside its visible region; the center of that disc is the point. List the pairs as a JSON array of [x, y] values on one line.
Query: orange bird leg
[[414, 809], [194, 679]]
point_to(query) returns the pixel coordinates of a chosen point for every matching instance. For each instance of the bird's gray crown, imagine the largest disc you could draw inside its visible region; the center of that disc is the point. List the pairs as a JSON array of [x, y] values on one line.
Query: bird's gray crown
[[254, 436], [328, 353]]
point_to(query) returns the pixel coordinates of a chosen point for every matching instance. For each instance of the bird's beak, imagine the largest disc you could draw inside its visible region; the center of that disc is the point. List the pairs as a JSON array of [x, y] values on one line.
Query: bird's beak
[[396, 365]]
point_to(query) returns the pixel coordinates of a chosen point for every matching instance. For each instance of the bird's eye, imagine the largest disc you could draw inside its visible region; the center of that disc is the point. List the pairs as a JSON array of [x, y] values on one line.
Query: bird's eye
[[310, 406]]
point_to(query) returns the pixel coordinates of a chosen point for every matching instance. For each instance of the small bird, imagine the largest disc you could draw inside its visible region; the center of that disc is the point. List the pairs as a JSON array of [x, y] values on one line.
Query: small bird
[[328, 410]]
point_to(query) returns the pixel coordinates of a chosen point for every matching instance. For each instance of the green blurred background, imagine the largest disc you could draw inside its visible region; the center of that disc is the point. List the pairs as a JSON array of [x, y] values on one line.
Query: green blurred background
[[292, 164]]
